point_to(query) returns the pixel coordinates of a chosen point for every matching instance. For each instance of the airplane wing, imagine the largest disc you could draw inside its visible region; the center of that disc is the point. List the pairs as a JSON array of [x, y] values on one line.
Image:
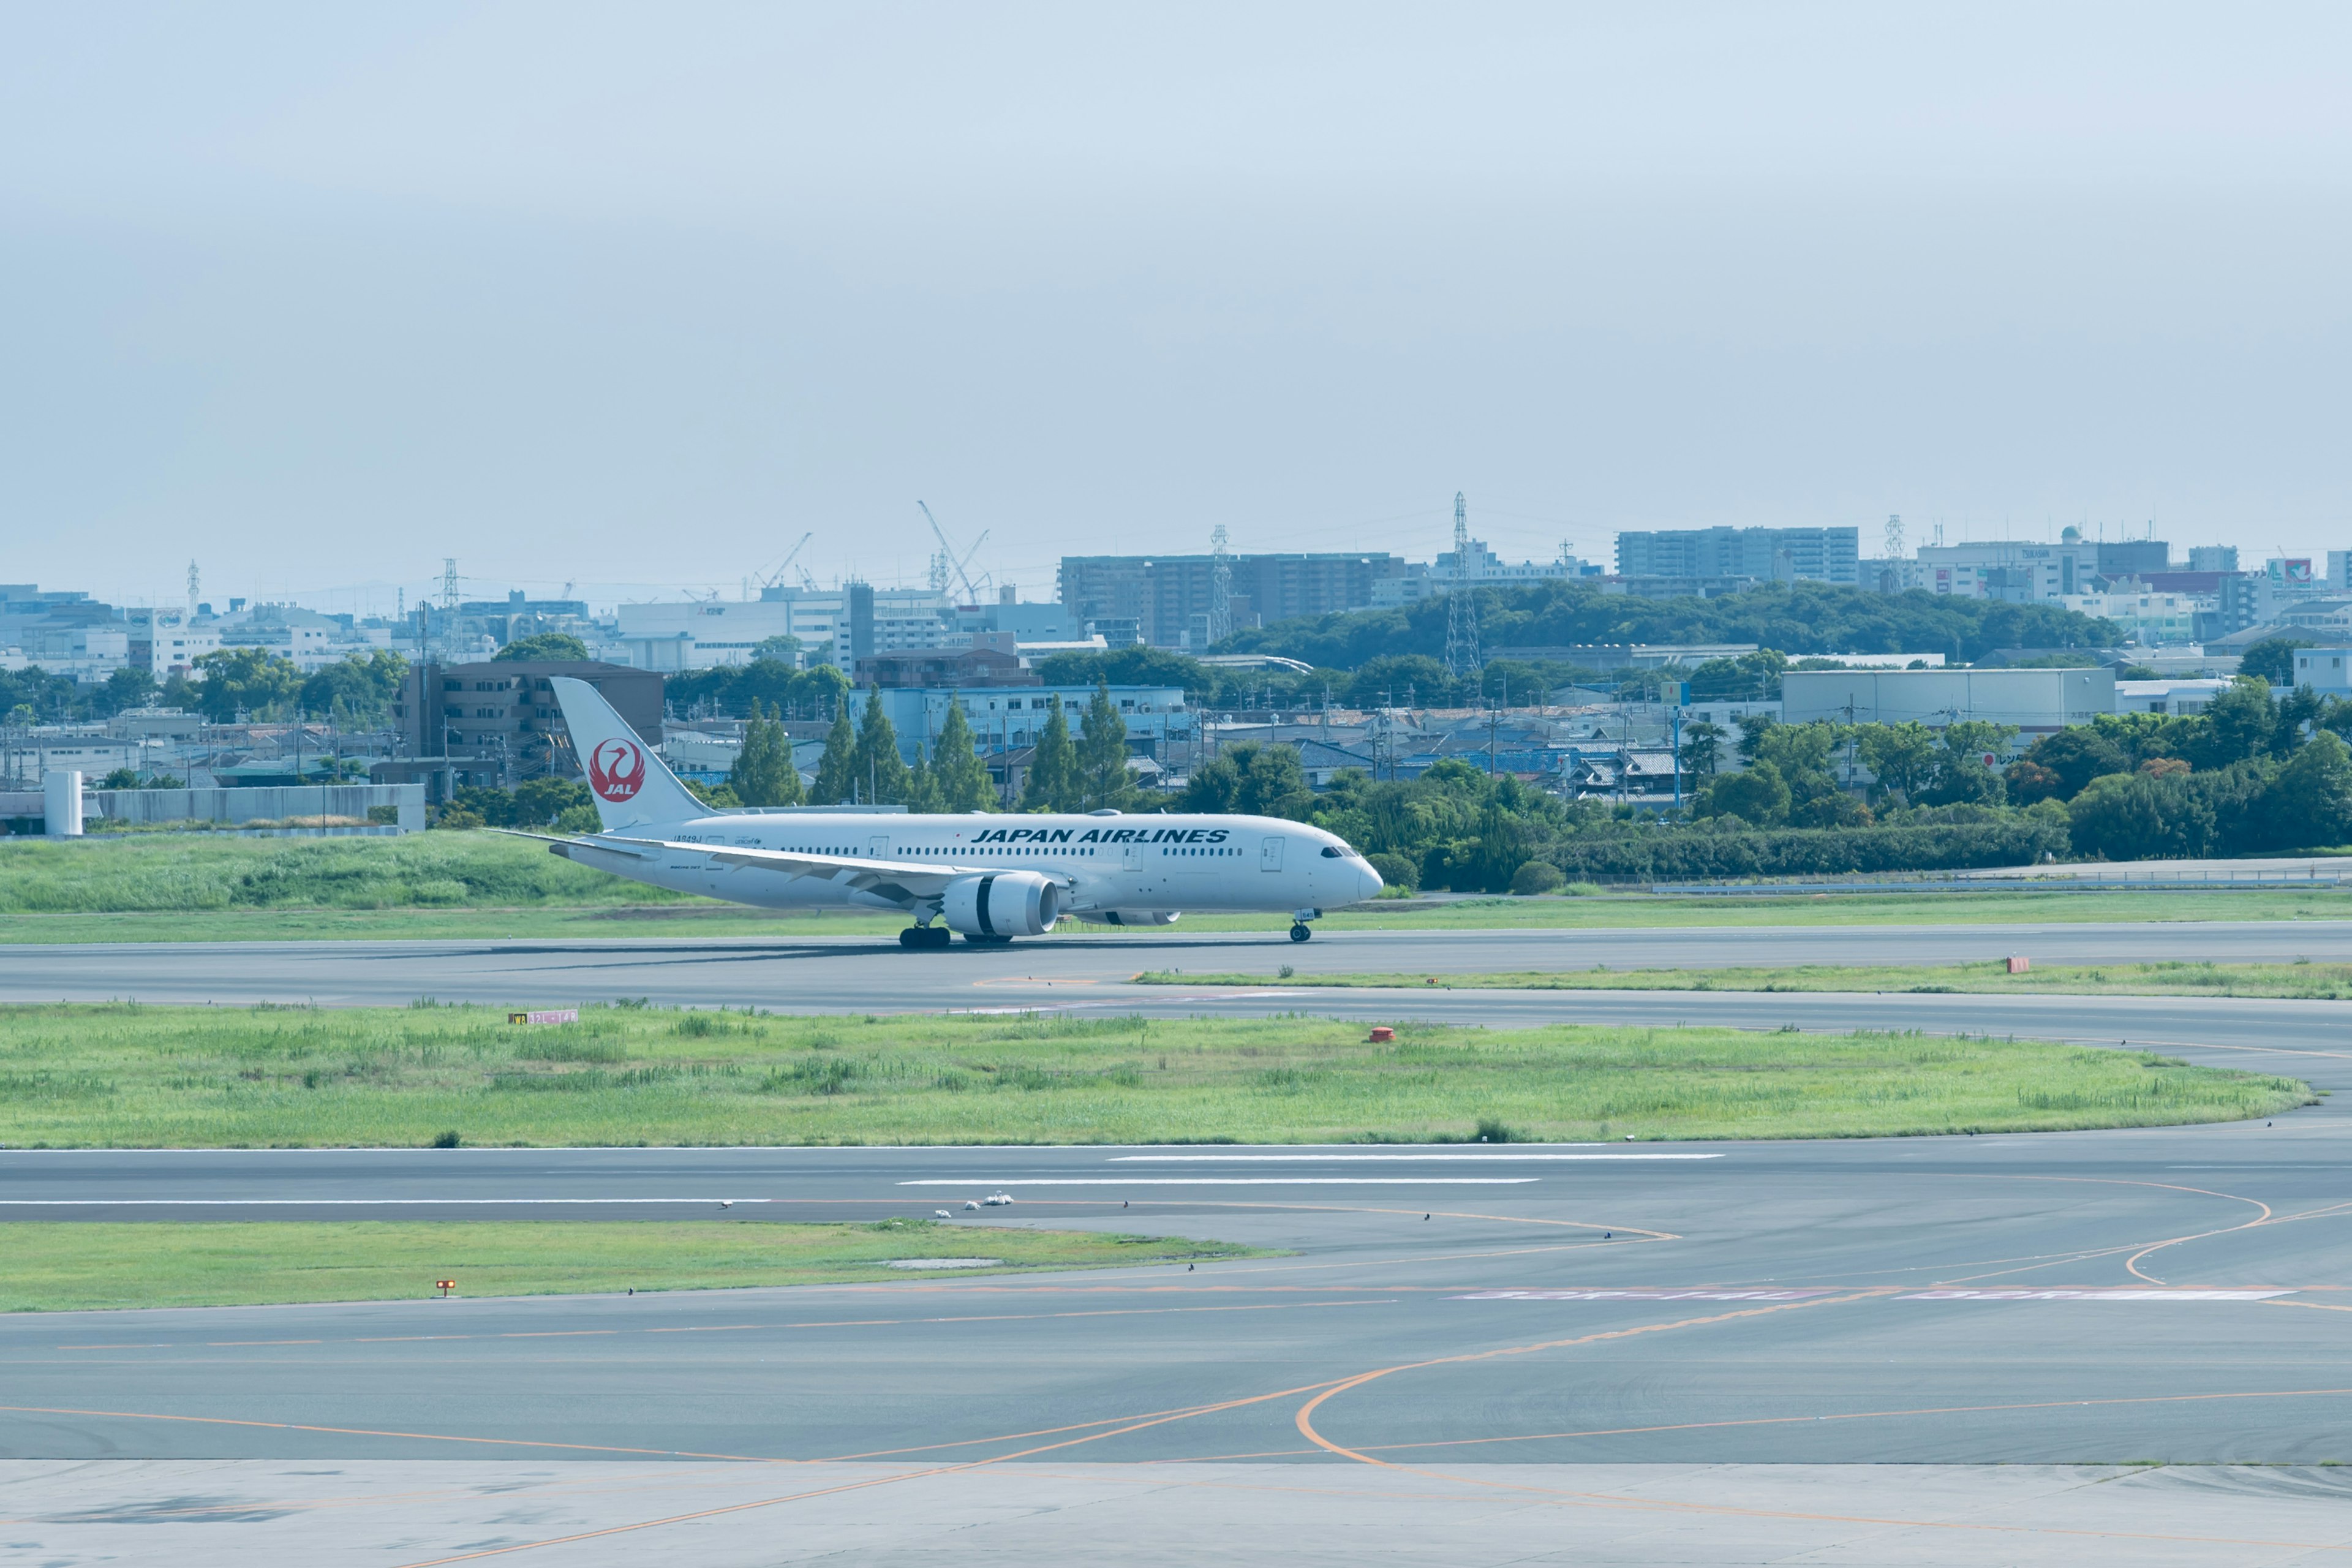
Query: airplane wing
[[908, 882]]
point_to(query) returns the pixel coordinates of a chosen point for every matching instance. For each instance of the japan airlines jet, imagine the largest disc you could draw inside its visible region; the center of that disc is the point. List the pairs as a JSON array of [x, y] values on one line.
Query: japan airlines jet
[[990, 877]]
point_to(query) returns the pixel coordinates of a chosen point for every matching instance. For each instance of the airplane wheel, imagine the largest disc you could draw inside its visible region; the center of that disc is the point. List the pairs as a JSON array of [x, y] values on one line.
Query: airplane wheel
[[914, 937], [977, 940], [936, 936], [1301, 932]]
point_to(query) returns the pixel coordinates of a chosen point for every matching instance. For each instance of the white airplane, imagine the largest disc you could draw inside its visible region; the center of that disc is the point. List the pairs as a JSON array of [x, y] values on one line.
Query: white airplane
[[991, 877]]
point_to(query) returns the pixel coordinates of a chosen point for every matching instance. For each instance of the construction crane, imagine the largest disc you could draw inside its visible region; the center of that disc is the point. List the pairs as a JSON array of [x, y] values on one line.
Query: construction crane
[[947, 552], [772, 578]]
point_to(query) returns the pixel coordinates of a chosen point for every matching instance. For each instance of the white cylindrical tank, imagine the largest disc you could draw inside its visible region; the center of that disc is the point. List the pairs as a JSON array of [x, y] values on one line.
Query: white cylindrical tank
[[61, 803]]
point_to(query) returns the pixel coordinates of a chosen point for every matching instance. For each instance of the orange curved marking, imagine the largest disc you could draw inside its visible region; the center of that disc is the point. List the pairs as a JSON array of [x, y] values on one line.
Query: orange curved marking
[[1304, 1419], [2132, 1263]]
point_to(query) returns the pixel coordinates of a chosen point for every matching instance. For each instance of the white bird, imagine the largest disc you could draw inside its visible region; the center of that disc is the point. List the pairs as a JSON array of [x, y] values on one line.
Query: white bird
[[727, 1202], [943, 1214]]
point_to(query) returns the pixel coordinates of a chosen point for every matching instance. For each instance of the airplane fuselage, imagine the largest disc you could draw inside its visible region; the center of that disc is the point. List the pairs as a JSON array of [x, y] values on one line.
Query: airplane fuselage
[[1108, 863]]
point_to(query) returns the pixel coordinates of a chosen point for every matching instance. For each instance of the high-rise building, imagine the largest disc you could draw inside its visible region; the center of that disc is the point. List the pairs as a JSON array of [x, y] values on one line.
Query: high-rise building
[[1767, 554], [1172, 597], [2213, 558]]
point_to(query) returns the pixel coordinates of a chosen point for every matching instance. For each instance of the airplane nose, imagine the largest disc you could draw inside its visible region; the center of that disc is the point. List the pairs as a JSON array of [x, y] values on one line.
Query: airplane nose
[[1371, 880]]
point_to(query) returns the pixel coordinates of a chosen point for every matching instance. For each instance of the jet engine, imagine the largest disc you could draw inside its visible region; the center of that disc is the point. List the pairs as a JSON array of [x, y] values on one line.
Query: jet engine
[[1002, 903]]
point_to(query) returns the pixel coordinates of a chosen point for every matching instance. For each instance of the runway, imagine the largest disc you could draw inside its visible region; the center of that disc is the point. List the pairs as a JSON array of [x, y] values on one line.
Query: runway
[[1591, 1355], [847, 974]]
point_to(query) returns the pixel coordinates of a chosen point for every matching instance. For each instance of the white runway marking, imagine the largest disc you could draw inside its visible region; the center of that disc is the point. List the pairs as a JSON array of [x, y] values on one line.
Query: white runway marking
[[1243, 1182], [2092, 1295], [1650, 1294], [1265, 1158]]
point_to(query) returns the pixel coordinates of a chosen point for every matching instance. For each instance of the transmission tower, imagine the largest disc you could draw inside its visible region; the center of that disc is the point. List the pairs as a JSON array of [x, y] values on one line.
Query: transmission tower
[[193, 587], [449, 583], [1894, 536], [1221, 588], [1462, 610]]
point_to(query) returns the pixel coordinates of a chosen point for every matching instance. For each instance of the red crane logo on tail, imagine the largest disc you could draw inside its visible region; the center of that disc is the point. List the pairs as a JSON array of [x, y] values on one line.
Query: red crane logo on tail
[[617, 769]]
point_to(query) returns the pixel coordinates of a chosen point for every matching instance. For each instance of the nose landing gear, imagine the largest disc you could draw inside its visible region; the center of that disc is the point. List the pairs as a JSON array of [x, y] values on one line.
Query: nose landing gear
[[1300, 931]]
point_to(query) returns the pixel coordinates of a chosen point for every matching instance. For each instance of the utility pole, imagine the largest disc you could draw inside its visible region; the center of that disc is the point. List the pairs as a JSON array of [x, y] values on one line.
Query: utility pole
[[1461, 610]]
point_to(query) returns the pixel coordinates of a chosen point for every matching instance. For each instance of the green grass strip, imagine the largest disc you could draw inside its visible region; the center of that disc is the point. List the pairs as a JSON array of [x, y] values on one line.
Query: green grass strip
[[129, 1075], [58, 1267], [2302, 979], [457, 885]]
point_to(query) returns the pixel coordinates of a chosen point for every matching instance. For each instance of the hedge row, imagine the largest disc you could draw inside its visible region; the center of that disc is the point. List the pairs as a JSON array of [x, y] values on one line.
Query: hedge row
[[1812, 851]]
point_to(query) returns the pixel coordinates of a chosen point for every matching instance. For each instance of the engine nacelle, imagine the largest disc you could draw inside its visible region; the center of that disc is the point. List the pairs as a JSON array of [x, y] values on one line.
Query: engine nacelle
[[1002, 903], [1131, 916]]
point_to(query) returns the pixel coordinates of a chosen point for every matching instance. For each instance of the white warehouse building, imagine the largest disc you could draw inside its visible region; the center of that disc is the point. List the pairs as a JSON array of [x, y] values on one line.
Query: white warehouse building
[[2038, 701]]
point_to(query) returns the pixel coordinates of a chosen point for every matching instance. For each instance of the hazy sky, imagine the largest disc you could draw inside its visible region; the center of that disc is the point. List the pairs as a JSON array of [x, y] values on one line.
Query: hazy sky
[[636, 296]]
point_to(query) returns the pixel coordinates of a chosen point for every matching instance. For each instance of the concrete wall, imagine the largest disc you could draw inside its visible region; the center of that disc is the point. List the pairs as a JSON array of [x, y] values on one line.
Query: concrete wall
[[24, 811]]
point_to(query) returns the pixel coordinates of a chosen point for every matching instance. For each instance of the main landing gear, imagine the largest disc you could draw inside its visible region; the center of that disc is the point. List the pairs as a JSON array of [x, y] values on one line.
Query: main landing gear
[[1300, 931], [925, 936]]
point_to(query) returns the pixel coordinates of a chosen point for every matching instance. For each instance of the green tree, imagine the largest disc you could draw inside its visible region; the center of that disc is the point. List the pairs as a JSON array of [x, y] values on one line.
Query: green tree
[[2239, 723], [1053, 784], [1903, 757], [357, 689], [2272, 660], [783, 649], [718, 797], [129, 686], [922, 787], [1758, 797], [1259, 781], [1395, 680], [1962, 774], [881, 772], [251, 680], [1137, 666], [837, 769], [539, 802], [958, 776], [2076, 756], [1702, 750], [763, 773], [2141, 817], [544, 647], [1103, 778], [2310, 805]]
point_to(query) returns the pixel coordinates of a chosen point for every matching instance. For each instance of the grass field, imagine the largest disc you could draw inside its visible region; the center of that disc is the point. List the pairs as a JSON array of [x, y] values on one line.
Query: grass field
[[461, 886], [77, 1075], [76, 1267], [2323, 981]]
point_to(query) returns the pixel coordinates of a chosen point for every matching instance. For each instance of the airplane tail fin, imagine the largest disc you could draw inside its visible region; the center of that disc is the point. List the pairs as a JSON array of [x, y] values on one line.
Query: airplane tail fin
[[632, 786]]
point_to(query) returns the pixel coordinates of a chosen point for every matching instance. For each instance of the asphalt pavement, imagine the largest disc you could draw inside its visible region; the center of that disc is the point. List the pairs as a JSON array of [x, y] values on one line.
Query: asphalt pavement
[[1448, 1318], [854, 973]]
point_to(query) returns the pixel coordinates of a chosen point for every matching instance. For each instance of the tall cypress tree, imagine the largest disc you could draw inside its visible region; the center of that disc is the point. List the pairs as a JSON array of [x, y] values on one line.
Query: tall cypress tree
[[838, 768], [881, 772], [1053, 783], [1102, 754], [763, 774], [958, 774]]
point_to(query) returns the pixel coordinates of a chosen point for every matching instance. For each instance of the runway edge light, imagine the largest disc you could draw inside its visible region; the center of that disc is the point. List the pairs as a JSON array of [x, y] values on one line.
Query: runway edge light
[[444, 1286]]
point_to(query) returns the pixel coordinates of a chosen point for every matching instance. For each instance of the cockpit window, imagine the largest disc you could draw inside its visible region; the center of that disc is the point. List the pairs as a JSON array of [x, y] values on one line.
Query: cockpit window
[[1332, 852]]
